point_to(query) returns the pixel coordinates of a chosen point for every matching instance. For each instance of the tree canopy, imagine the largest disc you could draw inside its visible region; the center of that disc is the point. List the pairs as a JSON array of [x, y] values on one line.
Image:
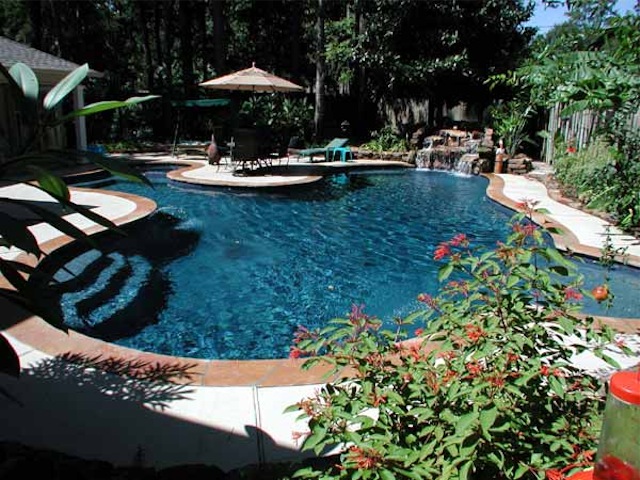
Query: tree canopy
[[374, 49]]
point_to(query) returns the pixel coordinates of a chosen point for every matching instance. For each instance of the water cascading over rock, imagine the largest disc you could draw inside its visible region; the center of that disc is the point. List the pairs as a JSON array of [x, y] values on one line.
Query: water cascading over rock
[[450, 159]]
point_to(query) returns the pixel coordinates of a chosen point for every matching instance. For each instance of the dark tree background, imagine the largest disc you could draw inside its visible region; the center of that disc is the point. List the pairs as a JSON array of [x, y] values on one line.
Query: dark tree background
[[370, 52]]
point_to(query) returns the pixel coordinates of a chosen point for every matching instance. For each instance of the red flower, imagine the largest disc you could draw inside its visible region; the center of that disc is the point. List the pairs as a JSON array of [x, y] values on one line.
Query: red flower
[[526, 230], [460, 239], [442, 251], [572, 294], [620, 343], [527, 205], [496, 380], [295, 352], [419, 331], [428, 300], [544, 370], [447, 355], [449, 375], [474, 333], [378, 399], [554, 474], [364, 458], [474, 369], [295, 436]]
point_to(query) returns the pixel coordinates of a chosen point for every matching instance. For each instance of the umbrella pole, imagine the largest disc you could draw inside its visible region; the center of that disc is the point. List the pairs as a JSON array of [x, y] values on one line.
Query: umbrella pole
[[175, 136]]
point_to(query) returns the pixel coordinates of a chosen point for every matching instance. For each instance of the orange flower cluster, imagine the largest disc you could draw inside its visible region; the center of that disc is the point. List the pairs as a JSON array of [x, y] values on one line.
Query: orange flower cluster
[[365, 458]]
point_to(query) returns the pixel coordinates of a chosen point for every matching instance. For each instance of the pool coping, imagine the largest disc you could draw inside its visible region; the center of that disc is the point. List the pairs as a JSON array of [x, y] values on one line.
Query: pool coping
[[36, 334]]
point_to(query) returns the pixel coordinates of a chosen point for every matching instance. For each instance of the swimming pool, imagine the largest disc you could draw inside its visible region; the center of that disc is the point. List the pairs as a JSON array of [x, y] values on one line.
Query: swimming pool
[[224, 274]]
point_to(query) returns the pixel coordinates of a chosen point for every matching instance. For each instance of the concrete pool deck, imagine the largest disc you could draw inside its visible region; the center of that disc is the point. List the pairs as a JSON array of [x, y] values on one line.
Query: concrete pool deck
[[96, 400]]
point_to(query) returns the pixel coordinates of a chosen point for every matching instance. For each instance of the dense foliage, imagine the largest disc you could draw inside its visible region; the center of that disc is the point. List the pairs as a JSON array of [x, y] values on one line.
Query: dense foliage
[[488, 390], [374, 50], [591, 65]]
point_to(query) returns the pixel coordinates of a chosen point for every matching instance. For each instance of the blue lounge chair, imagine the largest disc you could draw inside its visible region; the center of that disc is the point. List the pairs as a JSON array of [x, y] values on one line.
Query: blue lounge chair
[[326, 151]]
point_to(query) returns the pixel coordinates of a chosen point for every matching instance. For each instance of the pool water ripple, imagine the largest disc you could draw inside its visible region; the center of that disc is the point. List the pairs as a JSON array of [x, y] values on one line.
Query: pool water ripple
[[232, 275]]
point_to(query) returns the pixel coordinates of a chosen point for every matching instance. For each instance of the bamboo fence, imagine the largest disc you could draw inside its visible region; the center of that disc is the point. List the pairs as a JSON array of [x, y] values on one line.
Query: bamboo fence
[[577, 128]]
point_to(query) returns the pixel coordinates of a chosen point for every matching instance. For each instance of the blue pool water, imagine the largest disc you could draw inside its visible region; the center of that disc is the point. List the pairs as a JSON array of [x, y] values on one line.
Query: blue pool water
[[217, 273]]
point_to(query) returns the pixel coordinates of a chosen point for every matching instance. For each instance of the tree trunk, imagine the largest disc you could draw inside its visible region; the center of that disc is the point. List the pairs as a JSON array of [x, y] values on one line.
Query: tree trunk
[[186, 47], [295, 30], [169, 10], [157, 25], [35, 15], [360, 78], [142, 15], [318, 119], [219, 36]]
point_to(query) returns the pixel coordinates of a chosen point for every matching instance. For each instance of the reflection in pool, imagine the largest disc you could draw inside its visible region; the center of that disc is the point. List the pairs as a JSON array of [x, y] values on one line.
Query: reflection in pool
[[217, 273]]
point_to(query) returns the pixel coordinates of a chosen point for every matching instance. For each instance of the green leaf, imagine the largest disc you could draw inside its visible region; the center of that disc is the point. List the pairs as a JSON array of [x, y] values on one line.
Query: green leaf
[[26, 80], [64, 87], [105, 106], [465, 422], [51, 218], [512, 281], [497, 461], [556, 256], [99, 219], [13, 276], [488, 418], [556, 386], [386, 474], [448, 417], [50, 183], [521, 470], [292, 408], [34, 303], [560, 270], [464, 470], [17, 234], [567, 325], [117, 167], [610, 360], [410, 474], [445, 271], [502, 428]]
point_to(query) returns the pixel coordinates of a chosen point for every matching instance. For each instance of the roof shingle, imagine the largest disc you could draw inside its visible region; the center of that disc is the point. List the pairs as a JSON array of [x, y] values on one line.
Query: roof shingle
[[13, 52]]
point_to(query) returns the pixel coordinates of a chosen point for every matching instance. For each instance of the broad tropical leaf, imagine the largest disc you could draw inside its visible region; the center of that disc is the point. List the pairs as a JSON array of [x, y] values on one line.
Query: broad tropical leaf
[[116, 167], [52, 184], [36, 304], [99, 219], [51, 218], [26, 80], [104, 106], [16, 233], [9, 361], [66, 85]]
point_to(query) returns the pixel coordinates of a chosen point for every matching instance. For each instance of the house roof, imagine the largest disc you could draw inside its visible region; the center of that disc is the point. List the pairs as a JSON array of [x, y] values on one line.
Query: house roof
[[48, 68]]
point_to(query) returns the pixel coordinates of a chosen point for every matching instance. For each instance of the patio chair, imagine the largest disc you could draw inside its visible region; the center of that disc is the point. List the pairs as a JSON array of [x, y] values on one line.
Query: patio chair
[[250, 151], [326, 151]]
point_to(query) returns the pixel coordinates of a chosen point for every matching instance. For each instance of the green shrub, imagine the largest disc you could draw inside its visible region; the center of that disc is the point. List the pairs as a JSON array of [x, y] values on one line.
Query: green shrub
[[583, 171], [498, 396], [605, 178], [385, 140]]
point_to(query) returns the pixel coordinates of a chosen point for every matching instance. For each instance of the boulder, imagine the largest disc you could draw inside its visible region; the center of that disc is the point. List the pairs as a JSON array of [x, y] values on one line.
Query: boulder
[[519, 164]]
